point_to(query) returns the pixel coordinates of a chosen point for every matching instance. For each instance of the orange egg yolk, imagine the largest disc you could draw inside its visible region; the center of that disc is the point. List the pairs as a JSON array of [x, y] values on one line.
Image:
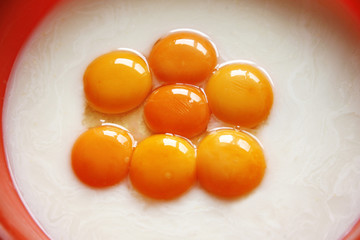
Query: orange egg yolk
[[230, 163], [183, 57], [240, 94], [117, 82], [177, 109], [100, 156], [163, 167]]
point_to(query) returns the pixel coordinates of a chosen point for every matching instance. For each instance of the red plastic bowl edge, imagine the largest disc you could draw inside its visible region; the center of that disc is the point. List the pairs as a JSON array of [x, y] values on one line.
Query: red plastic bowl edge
[[17, 19]]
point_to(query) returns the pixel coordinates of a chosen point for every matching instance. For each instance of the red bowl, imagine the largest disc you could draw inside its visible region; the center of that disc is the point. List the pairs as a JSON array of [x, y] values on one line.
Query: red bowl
[[17, 20]]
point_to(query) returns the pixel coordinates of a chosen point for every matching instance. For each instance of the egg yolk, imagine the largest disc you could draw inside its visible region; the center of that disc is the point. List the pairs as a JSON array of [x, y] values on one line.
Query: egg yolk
[[240, 94], [183, 57], [117, 82], [100, 156], [230, 163], [177, 109], [163, 167]]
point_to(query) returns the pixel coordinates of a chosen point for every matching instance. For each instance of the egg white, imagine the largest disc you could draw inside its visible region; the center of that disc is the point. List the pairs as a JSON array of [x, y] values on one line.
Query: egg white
[[311, 140]]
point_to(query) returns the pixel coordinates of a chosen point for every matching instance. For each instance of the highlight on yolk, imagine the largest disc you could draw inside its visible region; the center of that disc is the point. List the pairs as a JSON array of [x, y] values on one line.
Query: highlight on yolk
[[230, 163], [240, 94], [177, 109], [163, 166], [117, 82], [183, 57], [100, 156]]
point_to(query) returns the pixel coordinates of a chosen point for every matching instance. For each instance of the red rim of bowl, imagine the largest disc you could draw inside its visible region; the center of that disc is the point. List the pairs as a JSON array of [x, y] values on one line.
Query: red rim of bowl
[[17, 20]]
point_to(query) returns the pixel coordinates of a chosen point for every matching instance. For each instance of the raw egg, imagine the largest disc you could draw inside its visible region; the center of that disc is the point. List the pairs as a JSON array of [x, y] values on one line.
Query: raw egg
[[117, 82], [311, 140], [230, 163], [177, 109], [183, 57], [100, 156], [163, 166], [240, 94]]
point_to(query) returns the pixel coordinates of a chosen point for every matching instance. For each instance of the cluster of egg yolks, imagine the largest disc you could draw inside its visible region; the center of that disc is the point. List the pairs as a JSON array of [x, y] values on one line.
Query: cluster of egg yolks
[[117, 82], [230, 163], [240, 94], [183, 57], [163, 166], [177, 109], [101, 156]]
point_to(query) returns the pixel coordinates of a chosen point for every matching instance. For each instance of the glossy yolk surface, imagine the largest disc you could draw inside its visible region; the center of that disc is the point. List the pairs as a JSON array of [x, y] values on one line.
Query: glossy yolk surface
[[240, 94], [117, 82], [163, 166], [100, 156], [177, 109], [183, 57], [230, 163]]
